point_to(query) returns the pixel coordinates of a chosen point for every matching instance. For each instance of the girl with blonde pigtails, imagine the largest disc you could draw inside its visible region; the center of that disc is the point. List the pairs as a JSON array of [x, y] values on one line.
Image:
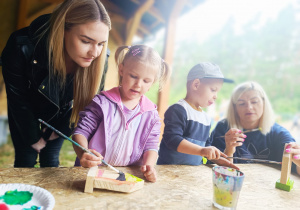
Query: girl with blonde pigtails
[[122, 125]]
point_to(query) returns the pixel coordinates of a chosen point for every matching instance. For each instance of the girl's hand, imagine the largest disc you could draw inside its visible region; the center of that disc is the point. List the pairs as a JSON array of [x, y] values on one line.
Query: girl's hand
[[233, 138], [149, 172], [294, 148], [211, 153], [87, 160]]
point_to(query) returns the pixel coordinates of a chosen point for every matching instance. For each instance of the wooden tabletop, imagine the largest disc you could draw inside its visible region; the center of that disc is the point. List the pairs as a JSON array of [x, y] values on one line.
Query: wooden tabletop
[[177, 187]]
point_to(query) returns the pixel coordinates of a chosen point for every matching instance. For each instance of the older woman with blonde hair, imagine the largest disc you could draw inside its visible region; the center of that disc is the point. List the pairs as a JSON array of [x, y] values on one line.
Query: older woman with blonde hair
[[249, 129], [52, 69]]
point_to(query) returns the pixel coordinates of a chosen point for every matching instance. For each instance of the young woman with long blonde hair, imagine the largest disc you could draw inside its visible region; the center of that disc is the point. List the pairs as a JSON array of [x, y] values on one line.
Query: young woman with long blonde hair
[[52, 69]]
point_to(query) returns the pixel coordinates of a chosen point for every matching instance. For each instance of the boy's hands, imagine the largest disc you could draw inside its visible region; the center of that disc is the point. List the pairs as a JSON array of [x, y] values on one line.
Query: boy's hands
[[87, 160], [211, 153], [149, 172], [224, 162]]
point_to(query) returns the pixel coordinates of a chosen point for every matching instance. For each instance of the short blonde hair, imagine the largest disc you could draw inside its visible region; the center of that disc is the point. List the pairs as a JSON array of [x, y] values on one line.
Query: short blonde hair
[[148, 57], [267, 119]]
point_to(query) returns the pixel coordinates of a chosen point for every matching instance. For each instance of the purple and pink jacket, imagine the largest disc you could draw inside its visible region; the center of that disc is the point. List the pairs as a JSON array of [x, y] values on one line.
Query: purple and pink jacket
[[97, 119]]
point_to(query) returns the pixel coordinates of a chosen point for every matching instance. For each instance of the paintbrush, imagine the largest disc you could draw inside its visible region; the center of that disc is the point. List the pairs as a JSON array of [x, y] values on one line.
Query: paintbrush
[[81, 147], [256, 160], [247, 131]]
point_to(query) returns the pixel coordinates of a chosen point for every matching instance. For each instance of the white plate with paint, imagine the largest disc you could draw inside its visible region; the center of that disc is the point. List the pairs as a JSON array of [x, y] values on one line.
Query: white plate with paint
[[41, 198]]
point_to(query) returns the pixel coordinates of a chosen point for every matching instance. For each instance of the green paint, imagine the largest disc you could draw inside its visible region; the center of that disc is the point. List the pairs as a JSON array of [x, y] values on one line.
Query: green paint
[[32, 208], [16, 197], [132, 178]]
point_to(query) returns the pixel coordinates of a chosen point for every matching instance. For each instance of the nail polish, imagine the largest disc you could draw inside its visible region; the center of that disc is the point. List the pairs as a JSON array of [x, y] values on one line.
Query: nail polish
[[287, 150], [297, 157], [288, 146]]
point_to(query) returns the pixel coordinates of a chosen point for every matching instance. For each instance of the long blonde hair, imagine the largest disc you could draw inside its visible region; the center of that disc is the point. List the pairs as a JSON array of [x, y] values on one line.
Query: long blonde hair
[[148, 57], [267, 119], [86, 80]]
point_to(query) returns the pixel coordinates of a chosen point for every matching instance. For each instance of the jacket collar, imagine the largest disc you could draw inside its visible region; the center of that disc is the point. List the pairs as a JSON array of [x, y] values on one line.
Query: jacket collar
[[114, 95], [50, 89], [38, 26]]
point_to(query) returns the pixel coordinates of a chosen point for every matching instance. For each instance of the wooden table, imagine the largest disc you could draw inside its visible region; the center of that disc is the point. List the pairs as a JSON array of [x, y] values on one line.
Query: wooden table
[[177, 187]]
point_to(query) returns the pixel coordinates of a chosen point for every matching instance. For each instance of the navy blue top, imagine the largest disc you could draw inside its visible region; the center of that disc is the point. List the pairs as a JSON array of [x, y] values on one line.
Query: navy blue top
[[256, 144], [183, 122]]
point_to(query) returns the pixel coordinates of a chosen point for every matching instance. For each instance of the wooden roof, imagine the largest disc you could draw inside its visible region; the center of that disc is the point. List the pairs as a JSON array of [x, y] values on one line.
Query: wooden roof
[[129, 17]]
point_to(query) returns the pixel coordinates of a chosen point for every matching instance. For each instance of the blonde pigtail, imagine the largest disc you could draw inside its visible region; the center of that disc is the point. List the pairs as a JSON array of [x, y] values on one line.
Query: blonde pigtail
[[165, 74]]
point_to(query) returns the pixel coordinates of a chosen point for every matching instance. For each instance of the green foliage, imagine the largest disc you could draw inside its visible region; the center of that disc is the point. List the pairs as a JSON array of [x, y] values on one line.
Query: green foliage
[[268, 55], [67, 154]]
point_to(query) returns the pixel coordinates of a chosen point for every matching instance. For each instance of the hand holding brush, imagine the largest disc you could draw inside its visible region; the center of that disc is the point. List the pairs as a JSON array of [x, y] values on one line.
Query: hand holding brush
[[246, 131], [235, 138], [81, 147]]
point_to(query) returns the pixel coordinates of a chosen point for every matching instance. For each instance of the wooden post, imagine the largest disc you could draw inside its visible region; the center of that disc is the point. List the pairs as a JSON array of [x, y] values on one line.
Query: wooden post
[[163, 96], [134, 22]]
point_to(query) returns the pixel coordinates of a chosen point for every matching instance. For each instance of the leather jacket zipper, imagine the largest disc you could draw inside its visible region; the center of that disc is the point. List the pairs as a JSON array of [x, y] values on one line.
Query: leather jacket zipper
[[52, 103]]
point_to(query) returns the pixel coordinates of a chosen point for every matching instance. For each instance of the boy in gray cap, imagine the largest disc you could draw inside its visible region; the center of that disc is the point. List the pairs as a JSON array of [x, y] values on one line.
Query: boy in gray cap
[[187, 126]]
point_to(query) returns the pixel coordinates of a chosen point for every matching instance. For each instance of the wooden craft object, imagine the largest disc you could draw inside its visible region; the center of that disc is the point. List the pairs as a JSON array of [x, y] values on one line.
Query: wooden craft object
[[107, 179], [285, 183]]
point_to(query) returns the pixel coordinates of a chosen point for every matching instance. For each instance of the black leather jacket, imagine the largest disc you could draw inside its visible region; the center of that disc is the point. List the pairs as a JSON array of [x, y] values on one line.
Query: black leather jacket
[[31, 94]]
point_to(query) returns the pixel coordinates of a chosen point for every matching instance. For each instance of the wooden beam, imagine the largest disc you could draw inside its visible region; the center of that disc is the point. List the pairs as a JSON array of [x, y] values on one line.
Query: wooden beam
[[163, 96], [116, 18], [144, 29], [113, 8], [22, 15], [134, 22], [48, 9], [117, 37], [152, 11]]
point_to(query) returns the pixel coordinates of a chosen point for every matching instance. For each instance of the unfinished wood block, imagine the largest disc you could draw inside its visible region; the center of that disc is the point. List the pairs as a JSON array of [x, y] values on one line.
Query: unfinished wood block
[[286, 167], [89, 184], [285, 183], [107, 179]]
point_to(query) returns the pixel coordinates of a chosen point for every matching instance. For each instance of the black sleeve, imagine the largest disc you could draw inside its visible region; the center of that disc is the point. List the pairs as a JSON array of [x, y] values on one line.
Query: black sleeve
[[175, 124], [20, 115]]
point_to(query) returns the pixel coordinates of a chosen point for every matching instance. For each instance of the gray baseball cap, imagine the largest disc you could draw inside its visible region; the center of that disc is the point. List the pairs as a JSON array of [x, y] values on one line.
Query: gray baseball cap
[[207, 70]]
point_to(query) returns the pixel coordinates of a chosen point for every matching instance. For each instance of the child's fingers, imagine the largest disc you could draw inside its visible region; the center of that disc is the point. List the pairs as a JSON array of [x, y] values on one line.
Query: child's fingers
[[143, 168], [150, 174], [96, 153], [223, 155], [86, 162], [151, 178]]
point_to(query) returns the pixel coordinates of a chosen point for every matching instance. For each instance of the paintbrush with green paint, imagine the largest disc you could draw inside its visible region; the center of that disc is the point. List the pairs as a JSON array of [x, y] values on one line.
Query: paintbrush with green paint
[[256, 160], [246, 131], [81, 147]]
